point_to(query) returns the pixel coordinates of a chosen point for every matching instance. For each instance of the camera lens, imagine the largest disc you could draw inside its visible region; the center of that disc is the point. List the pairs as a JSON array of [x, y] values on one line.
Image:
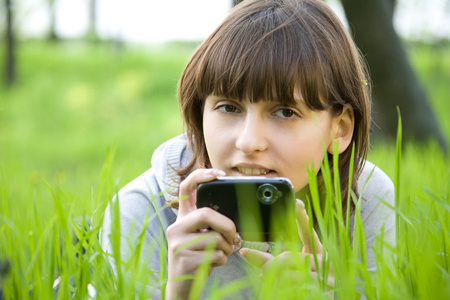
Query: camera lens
[[268, 193]]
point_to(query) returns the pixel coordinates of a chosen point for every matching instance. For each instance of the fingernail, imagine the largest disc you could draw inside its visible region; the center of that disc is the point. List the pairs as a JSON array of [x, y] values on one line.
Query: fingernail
[[215, 172], [243, 251], [237, 243], [300, 203], [220, 173], [237, 240]]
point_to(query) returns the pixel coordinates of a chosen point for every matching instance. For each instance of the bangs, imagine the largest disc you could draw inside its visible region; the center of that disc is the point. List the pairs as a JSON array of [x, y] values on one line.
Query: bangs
[[271, 56]]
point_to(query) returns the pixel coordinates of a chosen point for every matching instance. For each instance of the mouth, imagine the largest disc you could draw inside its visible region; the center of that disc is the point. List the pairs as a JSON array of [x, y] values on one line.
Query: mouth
[[253, 171]]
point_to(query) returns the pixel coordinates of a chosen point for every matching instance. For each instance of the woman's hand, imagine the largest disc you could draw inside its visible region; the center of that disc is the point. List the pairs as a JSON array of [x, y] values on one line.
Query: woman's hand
[[198, 237], [290, 265]]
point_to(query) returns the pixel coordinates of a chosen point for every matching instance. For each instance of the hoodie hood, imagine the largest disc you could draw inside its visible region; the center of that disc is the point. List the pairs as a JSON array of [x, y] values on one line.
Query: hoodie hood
[[166, 160]]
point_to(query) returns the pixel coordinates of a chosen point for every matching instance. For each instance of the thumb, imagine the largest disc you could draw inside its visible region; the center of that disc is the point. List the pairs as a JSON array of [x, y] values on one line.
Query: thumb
[[255, 257]]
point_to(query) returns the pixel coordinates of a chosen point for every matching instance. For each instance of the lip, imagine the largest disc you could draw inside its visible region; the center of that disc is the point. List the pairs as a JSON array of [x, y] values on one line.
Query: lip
[[237, 172]]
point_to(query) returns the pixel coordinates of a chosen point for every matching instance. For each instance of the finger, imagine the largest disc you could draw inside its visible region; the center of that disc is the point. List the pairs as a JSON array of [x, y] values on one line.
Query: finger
[[188, 188], [219, 258], [207, 218], [330, 279], [255, 257], [209, 240], [303, 229], [213, 258], [291, 261]]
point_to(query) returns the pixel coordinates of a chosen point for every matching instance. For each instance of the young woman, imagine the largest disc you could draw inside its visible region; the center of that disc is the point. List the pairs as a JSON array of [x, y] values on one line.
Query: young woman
[[275, 85]]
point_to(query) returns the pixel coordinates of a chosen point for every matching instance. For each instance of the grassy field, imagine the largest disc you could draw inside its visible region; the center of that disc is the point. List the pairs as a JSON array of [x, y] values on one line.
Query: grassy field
[[81, 122]]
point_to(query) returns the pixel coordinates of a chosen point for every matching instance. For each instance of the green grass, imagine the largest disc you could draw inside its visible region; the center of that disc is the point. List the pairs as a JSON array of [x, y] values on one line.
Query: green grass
[[72, 103], [81, 122]]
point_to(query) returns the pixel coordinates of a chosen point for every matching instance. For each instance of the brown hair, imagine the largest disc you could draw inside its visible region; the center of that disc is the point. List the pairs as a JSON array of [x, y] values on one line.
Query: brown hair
[[269, 49]]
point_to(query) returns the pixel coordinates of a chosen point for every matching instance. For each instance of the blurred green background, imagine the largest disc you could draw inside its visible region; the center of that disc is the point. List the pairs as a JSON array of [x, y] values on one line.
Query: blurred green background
[[73, 101], [84, 115]]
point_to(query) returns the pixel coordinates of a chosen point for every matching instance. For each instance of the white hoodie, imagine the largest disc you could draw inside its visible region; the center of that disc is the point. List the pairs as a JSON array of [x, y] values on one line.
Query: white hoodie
[[147, 196]]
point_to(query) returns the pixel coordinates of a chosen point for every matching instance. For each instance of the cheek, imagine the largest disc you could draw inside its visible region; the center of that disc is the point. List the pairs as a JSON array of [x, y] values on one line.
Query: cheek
[[217, 141], [304, 158], [210, 128], [210, 137], [301, 154]]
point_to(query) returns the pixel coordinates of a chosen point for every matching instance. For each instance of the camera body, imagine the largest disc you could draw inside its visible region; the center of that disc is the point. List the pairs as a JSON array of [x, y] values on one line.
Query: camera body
[[262, 208]]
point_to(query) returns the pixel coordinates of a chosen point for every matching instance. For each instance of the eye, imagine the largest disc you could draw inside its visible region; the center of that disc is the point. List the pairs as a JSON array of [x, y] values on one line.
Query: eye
[[285, 113], [228, 108]]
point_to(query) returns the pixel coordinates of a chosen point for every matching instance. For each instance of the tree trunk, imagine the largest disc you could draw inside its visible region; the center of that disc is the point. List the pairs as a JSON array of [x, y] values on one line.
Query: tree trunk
[[10, 67], [390, 8], [92, 30], [52, 36], [394, 81]]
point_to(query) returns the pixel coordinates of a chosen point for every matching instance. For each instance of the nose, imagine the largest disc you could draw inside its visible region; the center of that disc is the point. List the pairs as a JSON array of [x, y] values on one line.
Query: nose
[[252, 136]]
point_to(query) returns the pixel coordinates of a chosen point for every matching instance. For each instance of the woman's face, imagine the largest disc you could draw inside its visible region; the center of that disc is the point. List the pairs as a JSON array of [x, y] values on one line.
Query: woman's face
[[265, 138]]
